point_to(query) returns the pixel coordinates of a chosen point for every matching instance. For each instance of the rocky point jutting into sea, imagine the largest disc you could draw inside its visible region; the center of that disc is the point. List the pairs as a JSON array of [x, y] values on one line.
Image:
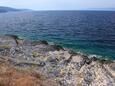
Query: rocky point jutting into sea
[[56, 65]]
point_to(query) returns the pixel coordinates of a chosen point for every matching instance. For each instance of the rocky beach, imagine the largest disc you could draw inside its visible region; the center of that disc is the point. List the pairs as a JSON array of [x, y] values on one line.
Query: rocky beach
[[39, 63]]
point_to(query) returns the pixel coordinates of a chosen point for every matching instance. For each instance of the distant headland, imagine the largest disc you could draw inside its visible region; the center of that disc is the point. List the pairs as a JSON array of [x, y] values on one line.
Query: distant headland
[[4, 9]]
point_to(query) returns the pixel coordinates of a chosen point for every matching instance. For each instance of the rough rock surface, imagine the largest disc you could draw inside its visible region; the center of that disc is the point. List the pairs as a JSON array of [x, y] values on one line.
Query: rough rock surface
[[64, 66]]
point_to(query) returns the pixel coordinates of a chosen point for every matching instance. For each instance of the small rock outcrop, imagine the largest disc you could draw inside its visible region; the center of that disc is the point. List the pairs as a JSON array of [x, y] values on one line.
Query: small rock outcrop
[[64, 66]]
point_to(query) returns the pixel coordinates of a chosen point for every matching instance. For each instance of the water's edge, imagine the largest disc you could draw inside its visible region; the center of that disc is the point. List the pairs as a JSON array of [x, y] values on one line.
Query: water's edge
[[93, 56]]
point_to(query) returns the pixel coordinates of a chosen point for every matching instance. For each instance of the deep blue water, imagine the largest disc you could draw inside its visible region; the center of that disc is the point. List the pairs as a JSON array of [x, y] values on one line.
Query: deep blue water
[[90, 32]]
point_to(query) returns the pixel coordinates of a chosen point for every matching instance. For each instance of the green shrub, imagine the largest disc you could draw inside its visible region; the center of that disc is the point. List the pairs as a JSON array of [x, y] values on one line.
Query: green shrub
[[35, 54], [78, 84]]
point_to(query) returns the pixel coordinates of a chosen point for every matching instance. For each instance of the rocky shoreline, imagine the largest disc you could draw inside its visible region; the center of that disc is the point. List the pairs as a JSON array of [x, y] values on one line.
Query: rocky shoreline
[[65, 67]]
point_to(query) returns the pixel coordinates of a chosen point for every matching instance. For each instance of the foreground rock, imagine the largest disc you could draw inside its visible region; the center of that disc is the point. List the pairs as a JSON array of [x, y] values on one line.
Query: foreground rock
[[54, 62]]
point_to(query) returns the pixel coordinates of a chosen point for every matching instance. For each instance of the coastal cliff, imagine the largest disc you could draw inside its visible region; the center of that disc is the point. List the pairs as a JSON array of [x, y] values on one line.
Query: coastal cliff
[[63, 66]]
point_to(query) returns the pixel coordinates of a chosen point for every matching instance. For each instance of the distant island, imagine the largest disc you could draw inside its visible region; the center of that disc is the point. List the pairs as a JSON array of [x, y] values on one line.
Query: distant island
[[9, 9], [102, 9]]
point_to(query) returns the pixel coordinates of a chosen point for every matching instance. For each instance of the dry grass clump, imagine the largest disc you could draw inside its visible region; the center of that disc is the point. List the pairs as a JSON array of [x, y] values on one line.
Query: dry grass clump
[[10, 76]]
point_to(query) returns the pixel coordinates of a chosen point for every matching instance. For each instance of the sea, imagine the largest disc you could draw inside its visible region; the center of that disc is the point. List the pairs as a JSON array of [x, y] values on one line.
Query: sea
[[88, 32]]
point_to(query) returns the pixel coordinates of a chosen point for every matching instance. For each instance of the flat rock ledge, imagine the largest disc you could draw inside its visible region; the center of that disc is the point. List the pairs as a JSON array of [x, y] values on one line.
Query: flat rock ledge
[[62, 65]]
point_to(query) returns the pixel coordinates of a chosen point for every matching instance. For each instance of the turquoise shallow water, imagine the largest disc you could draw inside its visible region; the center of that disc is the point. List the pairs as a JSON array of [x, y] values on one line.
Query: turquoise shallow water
[[90, 32]]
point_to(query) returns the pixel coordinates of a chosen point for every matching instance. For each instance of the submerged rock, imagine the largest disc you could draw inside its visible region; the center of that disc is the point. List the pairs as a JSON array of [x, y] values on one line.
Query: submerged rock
[[56, 47], [40, 42]]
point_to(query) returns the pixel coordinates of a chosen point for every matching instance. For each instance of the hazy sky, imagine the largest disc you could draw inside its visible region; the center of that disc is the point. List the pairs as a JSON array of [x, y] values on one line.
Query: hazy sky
[[58, 4]]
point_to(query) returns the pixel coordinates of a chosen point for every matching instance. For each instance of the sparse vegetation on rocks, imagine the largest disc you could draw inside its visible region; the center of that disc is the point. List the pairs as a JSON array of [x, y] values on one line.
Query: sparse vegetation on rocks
[[59, 66]]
